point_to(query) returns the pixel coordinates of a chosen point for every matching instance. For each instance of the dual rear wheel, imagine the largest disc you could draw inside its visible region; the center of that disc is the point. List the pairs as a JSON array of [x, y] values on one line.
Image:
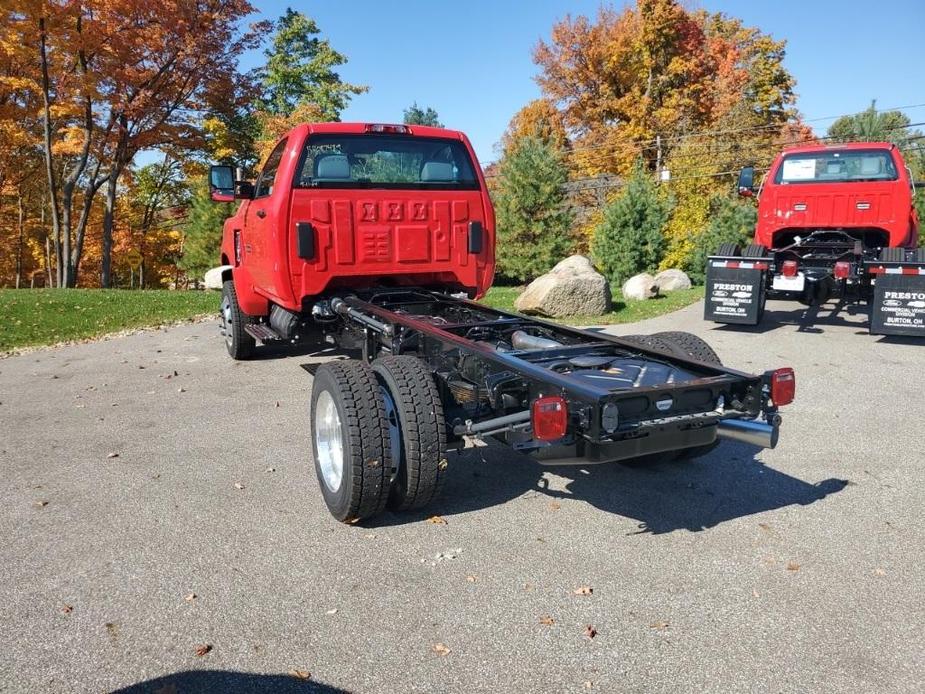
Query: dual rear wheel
[[378, 436]]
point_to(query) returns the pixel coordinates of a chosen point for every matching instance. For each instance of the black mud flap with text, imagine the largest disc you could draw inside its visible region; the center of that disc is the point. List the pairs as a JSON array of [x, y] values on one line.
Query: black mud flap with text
[[735, 290], [898, 307]]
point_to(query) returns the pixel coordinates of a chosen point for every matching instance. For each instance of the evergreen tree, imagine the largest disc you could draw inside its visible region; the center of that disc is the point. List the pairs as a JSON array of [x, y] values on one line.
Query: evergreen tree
[[300, 69], [415, 115], [203, 233], [630, 238], [533, 220], [730, 221]]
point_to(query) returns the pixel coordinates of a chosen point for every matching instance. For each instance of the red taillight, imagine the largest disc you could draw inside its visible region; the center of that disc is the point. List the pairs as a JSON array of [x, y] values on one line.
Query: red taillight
[[783, 386], [385, 128], [842, 269], [550, 418], [790, 268]]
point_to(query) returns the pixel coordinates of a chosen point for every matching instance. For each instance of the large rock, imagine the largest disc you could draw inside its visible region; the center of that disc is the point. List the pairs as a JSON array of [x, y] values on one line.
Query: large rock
[[672, 280], [571, 288], [213, 278], [641, 286]]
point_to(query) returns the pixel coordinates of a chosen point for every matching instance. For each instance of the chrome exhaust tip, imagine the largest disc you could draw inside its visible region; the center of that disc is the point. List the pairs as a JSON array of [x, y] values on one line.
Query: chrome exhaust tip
[[758, 434]]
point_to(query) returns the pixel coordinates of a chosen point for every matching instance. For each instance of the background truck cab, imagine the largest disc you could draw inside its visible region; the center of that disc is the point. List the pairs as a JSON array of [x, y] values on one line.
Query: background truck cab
[[833, 221], [356, 205]]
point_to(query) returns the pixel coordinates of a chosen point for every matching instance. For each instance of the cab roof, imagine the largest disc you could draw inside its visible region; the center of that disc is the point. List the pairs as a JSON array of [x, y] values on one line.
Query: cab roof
[[801, 149]]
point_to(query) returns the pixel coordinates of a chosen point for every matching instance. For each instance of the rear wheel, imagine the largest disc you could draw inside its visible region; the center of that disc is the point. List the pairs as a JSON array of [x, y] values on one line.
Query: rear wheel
[[238, 342], [691, 345], [416, 416], [729, 249], [350, 440], [754, 250], [920, 255]]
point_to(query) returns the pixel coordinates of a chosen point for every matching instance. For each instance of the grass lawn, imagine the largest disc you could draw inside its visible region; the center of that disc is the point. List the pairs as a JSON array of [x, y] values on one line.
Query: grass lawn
[[46, 316], [624, 311]]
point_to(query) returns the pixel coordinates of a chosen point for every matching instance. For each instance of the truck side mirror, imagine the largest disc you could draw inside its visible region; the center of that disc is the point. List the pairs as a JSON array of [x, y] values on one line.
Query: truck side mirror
[[746, 187], [221, 183]]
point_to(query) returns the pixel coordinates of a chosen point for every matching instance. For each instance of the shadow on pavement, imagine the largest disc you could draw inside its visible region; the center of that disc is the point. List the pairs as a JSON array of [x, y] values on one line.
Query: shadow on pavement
[[808, 319], [696, 495], [227, 682]]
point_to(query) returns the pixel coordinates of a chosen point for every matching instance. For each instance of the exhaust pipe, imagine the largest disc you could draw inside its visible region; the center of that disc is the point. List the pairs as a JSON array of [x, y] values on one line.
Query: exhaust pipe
[[526, 341], [755, 433]]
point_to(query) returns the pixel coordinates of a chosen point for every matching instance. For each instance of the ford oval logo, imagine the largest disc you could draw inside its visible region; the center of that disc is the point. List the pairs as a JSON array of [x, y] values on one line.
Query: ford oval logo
[[664, 404]]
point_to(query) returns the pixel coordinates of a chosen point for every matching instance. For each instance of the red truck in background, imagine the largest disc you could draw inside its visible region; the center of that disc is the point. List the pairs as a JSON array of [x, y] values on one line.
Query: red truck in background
[[833, 221], [376, 238]]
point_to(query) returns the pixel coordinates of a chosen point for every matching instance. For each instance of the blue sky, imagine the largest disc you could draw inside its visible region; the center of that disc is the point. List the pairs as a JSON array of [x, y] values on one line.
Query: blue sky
[[472, 61]]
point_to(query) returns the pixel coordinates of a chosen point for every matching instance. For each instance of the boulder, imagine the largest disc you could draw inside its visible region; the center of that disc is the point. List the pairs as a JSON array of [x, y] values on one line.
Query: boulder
[[213, 278], [571, 288], [672, 280], [641, 286]]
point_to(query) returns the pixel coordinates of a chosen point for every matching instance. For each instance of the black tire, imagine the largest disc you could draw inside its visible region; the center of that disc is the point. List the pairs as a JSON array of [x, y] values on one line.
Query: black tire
[[691, 345], [419, 412], [893, 255], [920, 255], [754, 250], [653, 342], [366, 459], [239, 343], [728, 249]]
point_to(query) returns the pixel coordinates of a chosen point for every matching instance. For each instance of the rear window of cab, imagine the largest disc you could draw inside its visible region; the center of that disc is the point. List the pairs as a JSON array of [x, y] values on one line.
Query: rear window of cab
[[385, 161], [837, 166]]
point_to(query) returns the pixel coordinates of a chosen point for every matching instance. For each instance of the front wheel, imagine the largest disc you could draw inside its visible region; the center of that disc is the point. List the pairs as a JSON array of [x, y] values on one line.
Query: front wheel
[[238, 342]]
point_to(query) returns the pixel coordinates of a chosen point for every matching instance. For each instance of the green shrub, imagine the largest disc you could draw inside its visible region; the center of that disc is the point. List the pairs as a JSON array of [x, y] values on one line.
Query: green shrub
[[533, 221], [630, 238], [731, 221]]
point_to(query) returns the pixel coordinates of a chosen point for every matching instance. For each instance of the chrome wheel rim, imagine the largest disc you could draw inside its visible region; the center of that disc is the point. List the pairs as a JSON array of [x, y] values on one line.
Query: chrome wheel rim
[[329, 441], [226, 319]]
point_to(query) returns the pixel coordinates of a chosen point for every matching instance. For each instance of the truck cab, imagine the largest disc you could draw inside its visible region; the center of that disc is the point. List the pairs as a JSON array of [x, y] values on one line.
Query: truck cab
[[354, 205]]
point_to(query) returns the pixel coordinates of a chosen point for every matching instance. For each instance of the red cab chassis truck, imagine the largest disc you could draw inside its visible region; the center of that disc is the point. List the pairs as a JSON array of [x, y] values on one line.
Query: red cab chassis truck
[[834, 221], [377, 238]]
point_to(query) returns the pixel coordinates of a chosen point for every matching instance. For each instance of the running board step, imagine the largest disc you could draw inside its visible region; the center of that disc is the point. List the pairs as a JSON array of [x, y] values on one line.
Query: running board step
[[262, 332]]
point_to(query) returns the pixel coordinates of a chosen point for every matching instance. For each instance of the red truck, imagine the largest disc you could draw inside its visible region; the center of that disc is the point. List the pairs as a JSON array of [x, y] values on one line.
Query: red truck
[[377, 238], [833, 221]]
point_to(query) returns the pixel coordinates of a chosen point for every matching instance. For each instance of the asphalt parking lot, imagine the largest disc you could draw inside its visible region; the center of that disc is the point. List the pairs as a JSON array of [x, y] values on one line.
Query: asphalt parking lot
[[158, 498]]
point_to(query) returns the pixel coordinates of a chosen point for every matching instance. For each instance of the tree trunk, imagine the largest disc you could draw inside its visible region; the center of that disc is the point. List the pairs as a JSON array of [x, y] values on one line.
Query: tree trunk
[[21, 223], [108, 212], [49, 163]]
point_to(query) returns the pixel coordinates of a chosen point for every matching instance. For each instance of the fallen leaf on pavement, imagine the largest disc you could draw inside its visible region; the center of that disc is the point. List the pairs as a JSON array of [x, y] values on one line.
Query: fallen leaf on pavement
[[202, 649], [300, 674], [67, 609], [547, 621], [437, 520], [277, 403], [238, 485], [471, 578], [590, 631], [112, 455], [755, 593], [583, 590], [190, 597], [880, 572], [659, 625], [270, 469], [764, 526], [528, 586], [440, 649], [40, 504], [588, 684], [333, 610], [181, 390], [792, 566], [555, 505]]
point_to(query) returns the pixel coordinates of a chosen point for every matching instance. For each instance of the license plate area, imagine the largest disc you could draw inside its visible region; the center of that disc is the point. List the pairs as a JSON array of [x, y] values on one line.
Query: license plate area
[[789, 284]]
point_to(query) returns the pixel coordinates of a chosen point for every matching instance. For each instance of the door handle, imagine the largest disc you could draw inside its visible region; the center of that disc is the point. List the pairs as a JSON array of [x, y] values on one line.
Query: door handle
[[261, 213]]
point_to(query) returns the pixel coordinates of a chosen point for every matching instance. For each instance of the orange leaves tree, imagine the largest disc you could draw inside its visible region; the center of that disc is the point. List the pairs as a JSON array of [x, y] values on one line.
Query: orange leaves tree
[[108, 79], [696, 93]]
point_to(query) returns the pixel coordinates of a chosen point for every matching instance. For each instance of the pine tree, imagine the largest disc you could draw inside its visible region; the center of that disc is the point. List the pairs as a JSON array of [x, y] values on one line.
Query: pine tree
[[730, 221], [533, 220], [630, 238], [203, 233], [415, 115]]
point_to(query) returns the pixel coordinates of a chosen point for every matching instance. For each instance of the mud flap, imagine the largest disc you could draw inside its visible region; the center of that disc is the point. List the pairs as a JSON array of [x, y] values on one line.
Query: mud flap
[[735, 290], [898, 306]]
